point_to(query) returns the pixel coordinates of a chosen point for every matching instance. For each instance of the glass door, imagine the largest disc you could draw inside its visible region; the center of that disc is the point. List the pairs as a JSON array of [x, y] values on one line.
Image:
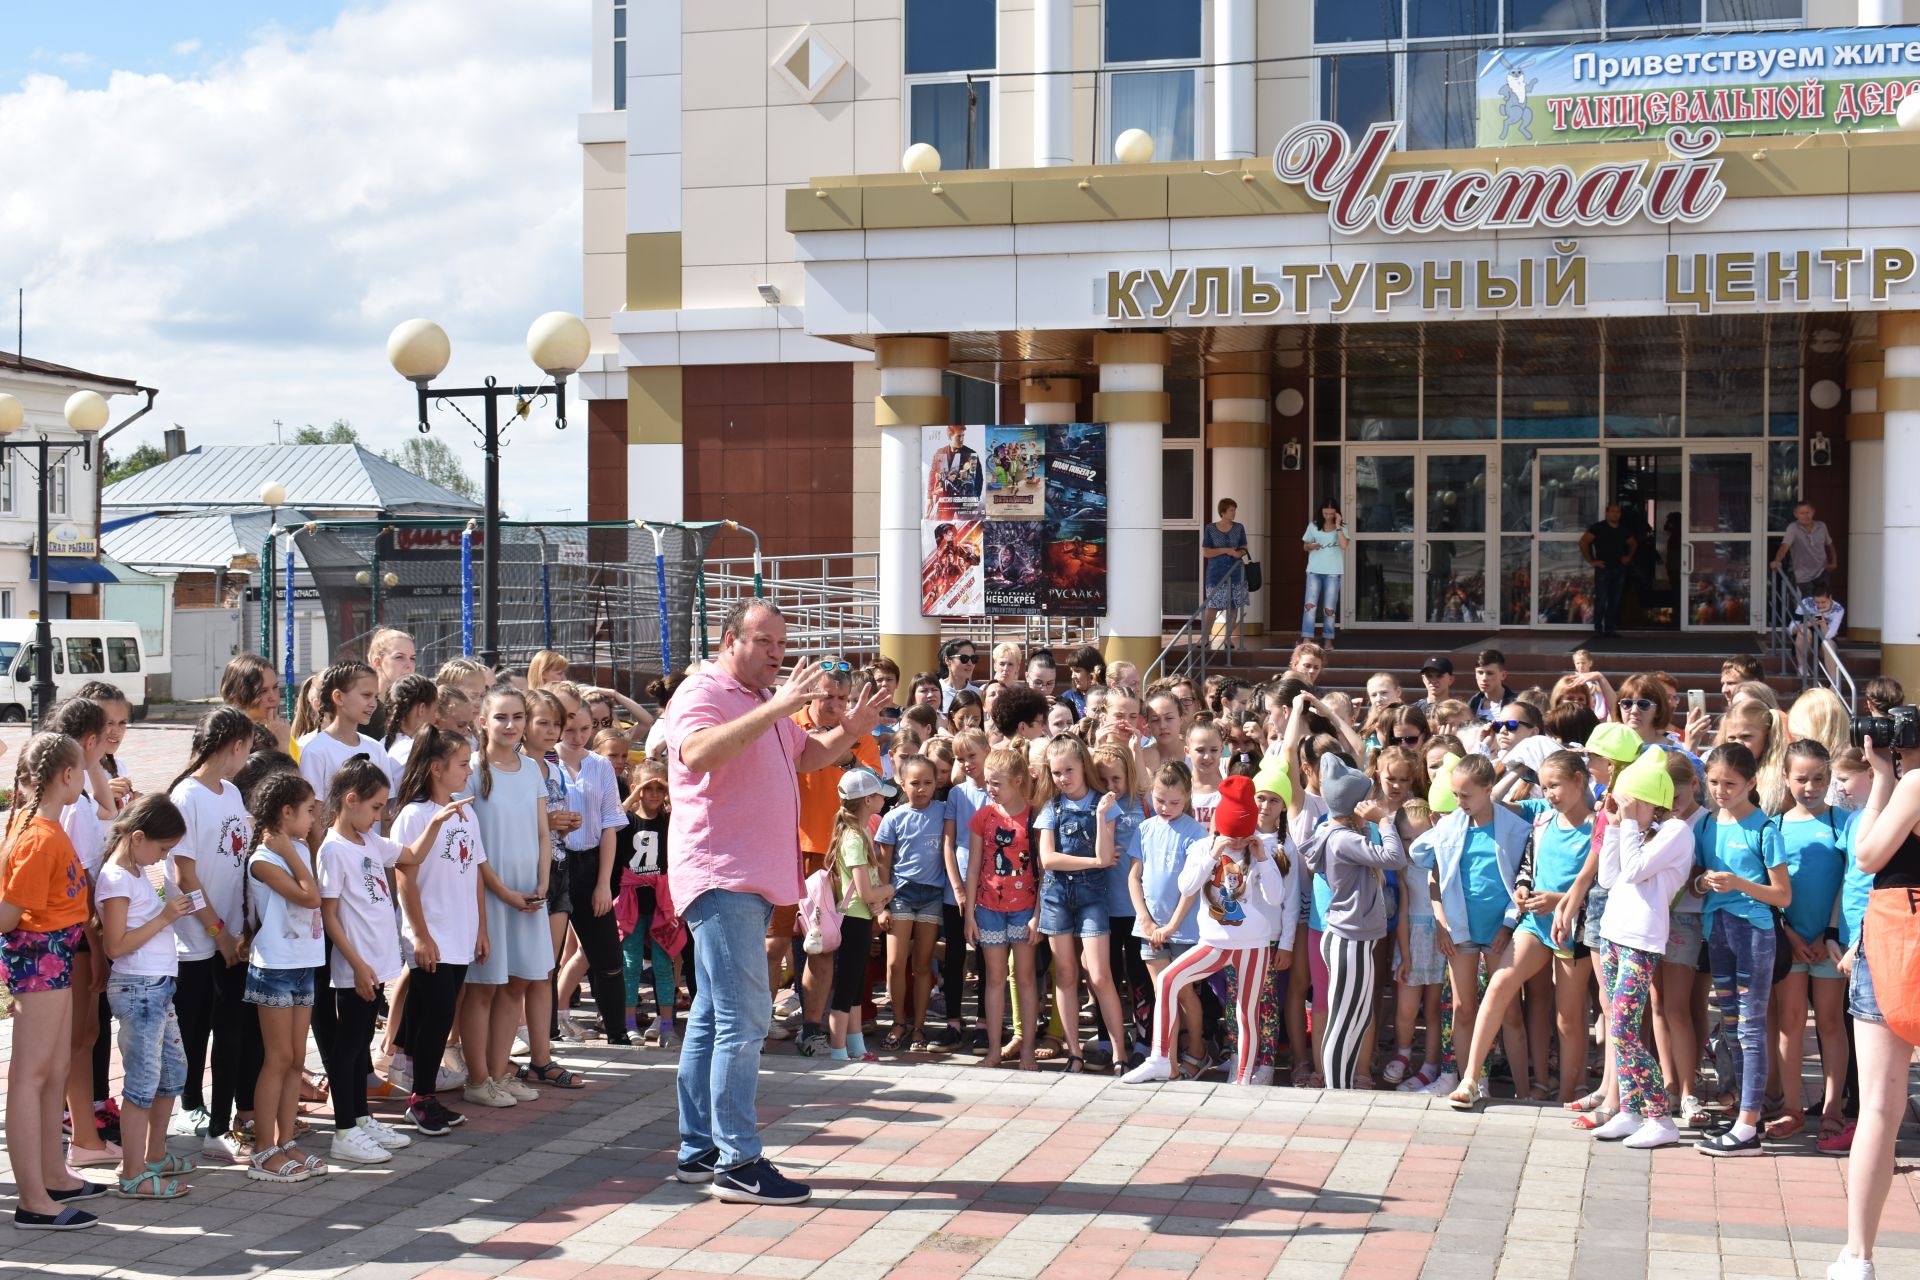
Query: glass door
[[1455, 546], [1181, 568], [1721, 550], [1421, 535], [1566, 503]]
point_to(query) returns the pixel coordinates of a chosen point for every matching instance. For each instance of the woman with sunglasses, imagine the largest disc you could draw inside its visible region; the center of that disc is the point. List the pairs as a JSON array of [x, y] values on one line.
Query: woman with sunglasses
[[1645, 706], [1405, 726]]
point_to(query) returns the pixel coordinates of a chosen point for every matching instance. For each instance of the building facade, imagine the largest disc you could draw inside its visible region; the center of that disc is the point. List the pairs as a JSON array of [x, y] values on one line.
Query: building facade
[[780, 308]]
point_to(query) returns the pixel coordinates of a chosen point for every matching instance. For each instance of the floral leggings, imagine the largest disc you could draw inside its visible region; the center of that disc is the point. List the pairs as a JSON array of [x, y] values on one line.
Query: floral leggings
[[1627, 974], [1266, 1035]]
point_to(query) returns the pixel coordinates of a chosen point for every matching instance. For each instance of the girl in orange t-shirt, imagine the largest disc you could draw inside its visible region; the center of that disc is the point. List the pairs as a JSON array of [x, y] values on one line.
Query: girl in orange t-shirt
[[44, 902]]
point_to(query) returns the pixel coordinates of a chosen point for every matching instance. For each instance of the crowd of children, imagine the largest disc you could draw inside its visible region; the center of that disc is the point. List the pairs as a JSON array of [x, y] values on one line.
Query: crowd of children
[[1221, 876]]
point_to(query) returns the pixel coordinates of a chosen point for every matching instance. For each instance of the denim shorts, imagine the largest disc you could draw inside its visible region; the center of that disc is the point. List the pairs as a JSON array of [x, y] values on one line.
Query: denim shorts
[[920, 903], [559, 900], [1070, 903], [1003, 928], [1861, 1002], [1596, 908], [279, 988], [40, 961], [1169, 953], [1686, 937], [153, 1058], [1825, 969]]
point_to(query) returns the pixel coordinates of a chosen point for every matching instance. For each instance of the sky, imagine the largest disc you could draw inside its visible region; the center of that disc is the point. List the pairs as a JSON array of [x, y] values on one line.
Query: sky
[[237, 202]]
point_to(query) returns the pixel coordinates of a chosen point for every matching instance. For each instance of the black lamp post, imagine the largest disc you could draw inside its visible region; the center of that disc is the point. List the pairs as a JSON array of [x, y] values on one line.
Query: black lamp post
[[419, 350]]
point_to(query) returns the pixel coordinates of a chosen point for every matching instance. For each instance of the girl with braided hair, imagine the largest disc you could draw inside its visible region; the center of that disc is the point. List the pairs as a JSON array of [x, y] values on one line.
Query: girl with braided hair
[[411, 705], [44, 892]]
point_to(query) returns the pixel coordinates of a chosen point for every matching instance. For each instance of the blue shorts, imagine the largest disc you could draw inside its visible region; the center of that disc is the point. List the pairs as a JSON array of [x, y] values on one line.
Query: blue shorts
[[920, 903], [1171, 952], [1861, 1002], [154, 1058], [1825, 969], [1596, 907], [1070, 903], [279, 988], [1003, 928]]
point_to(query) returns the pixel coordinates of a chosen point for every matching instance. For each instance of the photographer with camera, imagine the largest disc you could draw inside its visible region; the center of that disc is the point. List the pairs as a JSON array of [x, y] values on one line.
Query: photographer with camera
[[1884, 988]]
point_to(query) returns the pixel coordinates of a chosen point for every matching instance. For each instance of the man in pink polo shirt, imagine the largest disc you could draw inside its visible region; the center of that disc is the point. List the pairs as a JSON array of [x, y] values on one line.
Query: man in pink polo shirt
[[734, 756]]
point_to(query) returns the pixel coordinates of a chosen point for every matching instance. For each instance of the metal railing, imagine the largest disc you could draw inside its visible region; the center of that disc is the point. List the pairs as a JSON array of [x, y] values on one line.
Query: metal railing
[[1188, 652], [1821, 668], [832, 602]]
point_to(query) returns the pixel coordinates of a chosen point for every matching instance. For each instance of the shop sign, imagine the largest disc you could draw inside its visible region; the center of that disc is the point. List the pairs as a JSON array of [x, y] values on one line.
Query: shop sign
[[1322, 160], [1739, 83], [1704, 281], [72, 540]]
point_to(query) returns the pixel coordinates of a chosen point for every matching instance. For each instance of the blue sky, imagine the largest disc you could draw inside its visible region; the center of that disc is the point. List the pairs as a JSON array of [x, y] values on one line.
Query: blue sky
[[84, 43], [242, 215]]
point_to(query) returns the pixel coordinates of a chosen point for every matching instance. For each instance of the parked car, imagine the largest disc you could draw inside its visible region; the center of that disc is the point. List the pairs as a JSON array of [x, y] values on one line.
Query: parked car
[[83, 651]]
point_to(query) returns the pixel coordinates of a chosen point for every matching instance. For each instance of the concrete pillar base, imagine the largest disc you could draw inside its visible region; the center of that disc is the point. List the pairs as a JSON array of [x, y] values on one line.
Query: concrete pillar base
[[1139, 650]]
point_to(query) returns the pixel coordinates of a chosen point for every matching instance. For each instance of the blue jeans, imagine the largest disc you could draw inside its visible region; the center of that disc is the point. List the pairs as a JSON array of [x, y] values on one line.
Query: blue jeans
[[1323, 597], [1742, 981], [151, 1050], [720, 1056]]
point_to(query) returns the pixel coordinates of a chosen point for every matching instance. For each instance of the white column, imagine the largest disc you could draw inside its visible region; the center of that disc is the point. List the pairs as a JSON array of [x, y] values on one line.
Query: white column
[[1133, 404], [1239, 392], [1879, 13], [1050, 401], [1865, 462], [1233, 41], [910, 397], [1899, 403], [1052, 94]]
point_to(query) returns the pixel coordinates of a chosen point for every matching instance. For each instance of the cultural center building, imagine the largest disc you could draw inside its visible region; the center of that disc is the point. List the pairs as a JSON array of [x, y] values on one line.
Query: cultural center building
[[1468, 272]]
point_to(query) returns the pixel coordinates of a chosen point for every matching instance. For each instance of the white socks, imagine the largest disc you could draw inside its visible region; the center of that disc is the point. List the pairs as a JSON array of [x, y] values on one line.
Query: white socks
[[1744, 1131], [1157, 1067]]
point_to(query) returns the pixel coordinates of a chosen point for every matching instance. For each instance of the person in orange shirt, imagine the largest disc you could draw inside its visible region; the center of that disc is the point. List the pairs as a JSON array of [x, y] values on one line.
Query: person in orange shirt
[[45, 898], [819, 802]]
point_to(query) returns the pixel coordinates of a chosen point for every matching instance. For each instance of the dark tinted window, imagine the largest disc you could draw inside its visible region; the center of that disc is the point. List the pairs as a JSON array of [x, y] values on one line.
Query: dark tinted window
[[950, 35], [1152, 30]]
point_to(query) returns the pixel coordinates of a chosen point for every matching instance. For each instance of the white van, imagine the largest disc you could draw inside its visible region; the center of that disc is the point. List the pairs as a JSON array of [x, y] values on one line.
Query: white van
[[83, 651]]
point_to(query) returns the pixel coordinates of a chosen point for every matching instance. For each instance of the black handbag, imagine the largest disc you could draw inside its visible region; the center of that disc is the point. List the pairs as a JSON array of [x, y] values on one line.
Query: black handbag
[[1255, 580]]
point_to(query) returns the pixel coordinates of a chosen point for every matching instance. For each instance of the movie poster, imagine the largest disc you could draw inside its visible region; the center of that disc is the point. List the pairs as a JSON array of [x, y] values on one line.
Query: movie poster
[[1016, 473], [1013, 520], [950, 568], [1015, 569], [951, 458]]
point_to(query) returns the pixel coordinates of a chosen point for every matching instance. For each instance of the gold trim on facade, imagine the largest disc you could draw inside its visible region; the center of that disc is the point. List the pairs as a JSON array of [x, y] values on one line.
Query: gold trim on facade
[[1131, 406], [910, 411], [1061, 389], [1900, 395], [656, 405], [653, 271], [1132, 348], [911, 352]]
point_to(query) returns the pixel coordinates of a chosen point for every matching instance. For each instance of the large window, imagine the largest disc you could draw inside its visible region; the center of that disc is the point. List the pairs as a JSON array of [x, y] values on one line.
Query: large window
[[1151, 49], [946, 39], [1417, 60], [619, 55], [56, 483]]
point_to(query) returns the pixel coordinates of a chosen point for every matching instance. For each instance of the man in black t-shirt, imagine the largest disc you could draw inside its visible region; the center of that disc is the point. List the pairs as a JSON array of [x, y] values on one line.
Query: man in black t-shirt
[[1609, 548]]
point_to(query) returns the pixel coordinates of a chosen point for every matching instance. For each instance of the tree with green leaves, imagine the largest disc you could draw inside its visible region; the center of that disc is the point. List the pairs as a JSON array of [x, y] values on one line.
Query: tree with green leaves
[[341, 432], [133, 464], [429, 458]]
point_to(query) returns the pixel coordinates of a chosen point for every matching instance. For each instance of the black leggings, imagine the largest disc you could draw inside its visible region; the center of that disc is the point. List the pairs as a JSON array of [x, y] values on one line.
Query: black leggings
[[432, 998], [194, 1002], [600, 941], [209, 1001], [102, 1048], [953, 962], [850, 965], [348, 1054]]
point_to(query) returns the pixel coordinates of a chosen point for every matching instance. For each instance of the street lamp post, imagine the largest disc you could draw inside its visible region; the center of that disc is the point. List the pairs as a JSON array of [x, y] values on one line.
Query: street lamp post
[[86, 413], [419, 350]]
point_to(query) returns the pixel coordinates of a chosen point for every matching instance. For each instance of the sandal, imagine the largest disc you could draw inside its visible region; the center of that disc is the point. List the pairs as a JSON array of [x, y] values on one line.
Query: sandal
[[314, 1165], [895, 1040], [129, 1188], [1467, 1097], [1076, 1065], [1192, 1068], [1541, 1092], [556, 1075], [175, 1164], [1787, 1126], [1397, 1066], [1594, 1119], [1838, 1143], [1049, 1049], [1592, 1102], [273, 1165], [312, 1089]]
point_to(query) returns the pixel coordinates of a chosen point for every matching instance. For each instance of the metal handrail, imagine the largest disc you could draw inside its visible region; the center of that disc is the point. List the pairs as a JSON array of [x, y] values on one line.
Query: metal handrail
[[1196, 648], [1826, 669]]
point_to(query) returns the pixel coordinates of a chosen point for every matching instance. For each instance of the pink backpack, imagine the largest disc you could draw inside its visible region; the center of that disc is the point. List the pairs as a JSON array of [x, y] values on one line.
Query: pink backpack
[[820, 912]]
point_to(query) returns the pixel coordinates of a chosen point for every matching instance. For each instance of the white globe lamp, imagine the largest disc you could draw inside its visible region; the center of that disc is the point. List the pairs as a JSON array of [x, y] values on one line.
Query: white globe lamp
[[418, 350], [86, 412], [921, 157], [1135, 146], [272, 493], [558, 342], [11, 414]]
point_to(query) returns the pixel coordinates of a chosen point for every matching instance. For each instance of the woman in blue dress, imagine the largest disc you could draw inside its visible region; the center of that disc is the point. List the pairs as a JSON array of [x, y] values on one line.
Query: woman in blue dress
[[1223, 544]]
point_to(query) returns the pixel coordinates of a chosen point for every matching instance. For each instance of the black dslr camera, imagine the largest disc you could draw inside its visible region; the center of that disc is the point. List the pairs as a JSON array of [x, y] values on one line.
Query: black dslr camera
[[1900, 727]]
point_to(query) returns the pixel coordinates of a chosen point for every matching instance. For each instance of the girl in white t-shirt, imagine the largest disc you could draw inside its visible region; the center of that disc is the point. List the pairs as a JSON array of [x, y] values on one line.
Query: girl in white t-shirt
[[413, 701], [284, 930], [136, 931], [356, 903], [443, 903], [213, 973], [1204, 749], [347, 693]]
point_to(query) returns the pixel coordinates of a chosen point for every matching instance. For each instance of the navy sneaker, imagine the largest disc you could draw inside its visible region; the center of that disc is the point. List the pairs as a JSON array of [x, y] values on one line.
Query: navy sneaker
[[426, 1119], [698, 1170], [447, 1114], [758, 1182]]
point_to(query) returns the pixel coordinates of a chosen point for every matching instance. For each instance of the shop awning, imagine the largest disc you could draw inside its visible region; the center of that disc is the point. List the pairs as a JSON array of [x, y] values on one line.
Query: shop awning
[[72, 569]]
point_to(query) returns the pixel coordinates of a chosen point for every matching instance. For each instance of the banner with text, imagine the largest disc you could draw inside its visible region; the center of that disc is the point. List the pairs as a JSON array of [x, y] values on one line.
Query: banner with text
[[1777, 82], [1014, 520]]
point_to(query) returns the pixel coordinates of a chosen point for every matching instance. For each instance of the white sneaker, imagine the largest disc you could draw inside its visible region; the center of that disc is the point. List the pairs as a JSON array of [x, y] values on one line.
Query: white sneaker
[[450, 1077], [484, 1094], [521, 1045], [516, 1089], [188, 1124], [1157, 1067], [1848, 1267], [1624, 1125], [1446, 1084], [1261, 1075], [1658, 1131], [356, 1146], [779, 1031], [570, 1030], [400, 1078], [788, 1005], [226, 1147], [385, 1136], [455, 1059], [399, 1062]]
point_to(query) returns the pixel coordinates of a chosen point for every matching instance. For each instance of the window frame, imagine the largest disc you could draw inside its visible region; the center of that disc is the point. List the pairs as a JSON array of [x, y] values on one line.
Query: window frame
[[984, 88], [121, 645], [60, 488], [619, 54], [1103, 153]]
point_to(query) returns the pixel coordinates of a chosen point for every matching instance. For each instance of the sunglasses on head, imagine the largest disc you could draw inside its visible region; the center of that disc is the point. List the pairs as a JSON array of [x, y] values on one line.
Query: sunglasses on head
[[835, 664], [1637, 704]]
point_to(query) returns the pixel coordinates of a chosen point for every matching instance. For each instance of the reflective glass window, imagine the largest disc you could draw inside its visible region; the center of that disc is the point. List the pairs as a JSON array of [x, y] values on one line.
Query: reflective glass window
[[950, 35]]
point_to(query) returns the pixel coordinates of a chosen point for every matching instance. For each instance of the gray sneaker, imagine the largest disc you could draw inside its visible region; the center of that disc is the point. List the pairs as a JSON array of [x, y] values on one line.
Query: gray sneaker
[[813, 1045]]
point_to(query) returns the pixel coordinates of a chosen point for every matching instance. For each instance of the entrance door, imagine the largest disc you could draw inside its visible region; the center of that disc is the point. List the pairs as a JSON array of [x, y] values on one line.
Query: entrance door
[[1566, 503], [1725, 526], [1422, 547]]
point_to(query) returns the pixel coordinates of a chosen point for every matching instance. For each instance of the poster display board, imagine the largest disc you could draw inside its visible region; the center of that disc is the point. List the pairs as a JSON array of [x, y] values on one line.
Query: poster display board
[[1013, 520]]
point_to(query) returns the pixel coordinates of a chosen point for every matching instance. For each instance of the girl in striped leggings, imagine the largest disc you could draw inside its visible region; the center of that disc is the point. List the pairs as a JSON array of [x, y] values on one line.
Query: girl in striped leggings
[[1343, 852], [1252, 902]]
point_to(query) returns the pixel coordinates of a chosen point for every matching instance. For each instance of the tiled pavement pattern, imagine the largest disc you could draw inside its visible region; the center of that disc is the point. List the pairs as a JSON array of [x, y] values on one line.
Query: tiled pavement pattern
[[935, 1170]]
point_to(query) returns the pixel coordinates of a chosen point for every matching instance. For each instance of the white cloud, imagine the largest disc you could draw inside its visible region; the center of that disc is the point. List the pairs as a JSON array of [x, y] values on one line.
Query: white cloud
[[185, 48], [244, 239]]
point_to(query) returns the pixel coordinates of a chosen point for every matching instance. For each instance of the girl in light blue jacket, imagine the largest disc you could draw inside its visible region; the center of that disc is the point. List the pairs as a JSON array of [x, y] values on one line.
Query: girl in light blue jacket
[[1474, 855]]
